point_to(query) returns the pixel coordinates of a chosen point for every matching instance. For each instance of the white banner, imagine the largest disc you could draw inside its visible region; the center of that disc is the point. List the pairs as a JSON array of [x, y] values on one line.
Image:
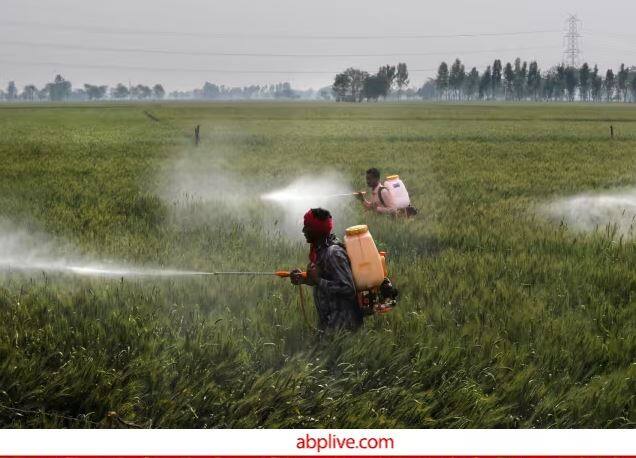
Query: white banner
[[318, 442]]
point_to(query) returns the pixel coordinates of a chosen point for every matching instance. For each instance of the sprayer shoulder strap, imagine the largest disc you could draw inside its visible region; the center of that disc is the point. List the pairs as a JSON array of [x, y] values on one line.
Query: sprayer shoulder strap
[[380, 189]]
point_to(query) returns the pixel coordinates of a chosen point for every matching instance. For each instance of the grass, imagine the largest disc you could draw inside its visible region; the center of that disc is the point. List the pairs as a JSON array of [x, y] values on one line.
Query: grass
[[506, 319]]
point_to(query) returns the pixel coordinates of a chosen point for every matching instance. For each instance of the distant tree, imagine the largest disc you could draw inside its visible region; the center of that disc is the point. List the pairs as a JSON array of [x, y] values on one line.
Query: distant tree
[[12, 92], [441, 81], [141, 92], [485, 83], [29, 93], [120, 92], [401, 78], [548, 88], [571, 82], [509, 76], [428, 91], [584, 81], [621, 82], [158, 92], [610, 83], [387, 75], [356, 83], [496, 77], [632, 87], [596, 85], [456, 79], [534, 80], [59, 89], [211, 91], [43, 94], [326, 93], [374, 87], [471, 86], [95, 92], [559, 82], [341, 86], [519, 80]]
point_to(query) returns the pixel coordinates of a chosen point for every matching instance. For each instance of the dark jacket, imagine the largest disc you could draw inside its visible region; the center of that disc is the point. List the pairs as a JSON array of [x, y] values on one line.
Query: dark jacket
[[335, 293]]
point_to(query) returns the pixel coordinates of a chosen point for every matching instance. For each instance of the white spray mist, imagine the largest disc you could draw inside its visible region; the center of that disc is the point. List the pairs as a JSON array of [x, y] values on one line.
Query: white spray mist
[[590, 212]]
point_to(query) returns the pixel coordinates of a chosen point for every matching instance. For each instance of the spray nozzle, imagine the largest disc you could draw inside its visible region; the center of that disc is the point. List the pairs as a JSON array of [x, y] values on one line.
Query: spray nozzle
[[287, 274]]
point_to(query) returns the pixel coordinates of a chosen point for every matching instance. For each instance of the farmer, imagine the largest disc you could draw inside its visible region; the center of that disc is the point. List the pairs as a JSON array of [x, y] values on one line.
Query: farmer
[[379, 194], [329, 272], [380, 197]]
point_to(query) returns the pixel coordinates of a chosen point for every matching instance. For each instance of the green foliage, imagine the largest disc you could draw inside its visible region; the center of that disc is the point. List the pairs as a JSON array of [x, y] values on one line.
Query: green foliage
[[505, 319]]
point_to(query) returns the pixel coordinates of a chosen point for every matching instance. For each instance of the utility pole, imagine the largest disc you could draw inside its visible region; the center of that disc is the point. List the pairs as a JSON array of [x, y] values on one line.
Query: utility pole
[[571, 39]]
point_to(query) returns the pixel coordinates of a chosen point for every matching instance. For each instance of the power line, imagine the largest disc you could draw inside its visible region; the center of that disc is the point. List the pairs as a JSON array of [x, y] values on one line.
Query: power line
[[129, 31], [184, 70], [249, 54]]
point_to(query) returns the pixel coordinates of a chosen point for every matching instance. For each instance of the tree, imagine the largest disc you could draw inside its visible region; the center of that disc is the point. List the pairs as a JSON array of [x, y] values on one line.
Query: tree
[[456, 78], [59, 89], [596, 84], [559, 83], [211, 91], [402, 78], [519, 81], [485, 83], [12, 92], [428, 91], [496, 77], [632, 88], [158, 92], [472, 84], [374, 87], [120, 92], [621, 82], [95, 92], [441, 81], [571, 82], [509, 76], [141, 92], [534, 80], [584, 81], [340, 87], [29, 92], [387, 75], [610, 82]]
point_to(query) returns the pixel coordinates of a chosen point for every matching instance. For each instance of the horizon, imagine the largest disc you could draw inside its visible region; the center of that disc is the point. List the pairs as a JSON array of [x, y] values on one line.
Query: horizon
[[278, 41]]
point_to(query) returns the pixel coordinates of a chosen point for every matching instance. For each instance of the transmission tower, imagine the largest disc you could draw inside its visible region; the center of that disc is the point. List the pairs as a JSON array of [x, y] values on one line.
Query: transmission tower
[[571, 39]]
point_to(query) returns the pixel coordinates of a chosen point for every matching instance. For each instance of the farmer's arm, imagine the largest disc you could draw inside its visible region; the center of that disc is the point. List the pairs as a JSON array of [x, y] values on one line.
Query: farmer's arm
[[342, 284]]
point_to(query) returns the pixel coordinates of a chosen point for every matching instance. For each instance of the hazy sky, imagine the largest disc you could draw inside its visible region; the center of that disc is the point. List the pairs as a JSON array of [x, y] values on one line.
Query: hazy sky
[[82, 39]]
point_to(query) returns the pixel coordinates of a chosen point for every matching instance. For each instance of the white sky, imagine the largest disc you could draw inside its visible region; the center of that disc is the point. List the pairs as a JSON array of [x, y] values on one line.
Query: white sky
[[608, 38]]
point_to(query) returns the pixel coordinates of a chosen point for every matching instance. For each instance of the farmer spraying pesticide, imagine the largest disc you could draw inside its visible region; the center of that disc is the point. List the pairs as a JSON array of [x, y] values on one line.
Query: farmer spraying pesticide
[[329, 273], [350, 280], [389, 197]]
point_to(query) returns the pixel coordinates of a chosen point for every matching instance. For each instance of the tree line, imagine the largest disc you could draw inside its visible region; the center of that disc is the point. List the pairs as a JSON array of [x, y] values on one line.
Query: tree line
[[355, 85], [61, 89], [520, 81]]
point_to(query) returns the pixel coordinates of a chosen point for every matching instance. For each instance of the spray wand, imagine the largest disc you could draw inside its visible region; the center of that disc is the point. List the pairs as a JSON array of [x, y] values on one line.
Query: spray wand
[[278, 273]]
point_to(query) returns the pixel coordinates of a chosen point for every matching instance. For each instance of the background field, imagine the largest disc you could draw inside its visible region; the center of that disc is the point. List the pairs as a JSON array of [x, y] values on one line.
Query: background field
[[506, 319]]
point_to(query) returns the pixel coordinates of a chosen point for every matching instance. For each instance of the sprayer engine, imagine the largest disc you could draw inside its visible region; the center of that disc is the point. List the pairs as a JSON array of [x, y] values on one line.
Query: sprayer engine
[[381, 299]]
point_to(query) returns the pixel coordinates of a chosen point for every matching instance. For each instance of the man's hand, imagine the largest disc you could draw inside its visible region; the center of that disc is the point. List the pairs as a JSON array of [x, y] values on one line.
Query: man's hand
[[359, 196], [296, 277]]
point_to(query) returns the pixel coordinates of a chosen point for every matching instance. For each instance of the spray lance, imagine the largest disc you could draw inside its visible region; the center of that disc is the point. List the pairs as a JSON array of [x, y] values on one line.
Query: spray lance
[[279, 274]]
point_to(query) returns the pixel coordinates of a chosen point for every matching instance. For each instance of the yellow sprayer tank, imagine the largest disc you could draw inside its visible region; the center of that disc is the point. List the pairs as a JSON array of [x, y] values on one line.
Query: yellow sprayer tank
[[366, 263]]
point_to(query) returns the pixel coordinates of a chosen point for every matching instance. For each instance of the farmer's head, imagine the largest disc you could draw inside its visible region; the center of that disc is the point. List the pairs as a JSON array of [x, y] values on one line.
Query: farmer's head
[[373, 177], [318, 224]]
